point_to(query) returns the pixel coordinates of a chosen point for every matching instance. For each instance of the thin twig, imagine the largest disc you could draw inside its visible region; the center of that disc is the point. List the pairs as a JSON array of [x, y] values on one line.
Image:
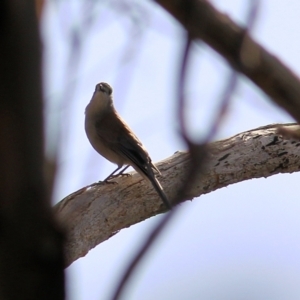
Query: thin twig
[[197, 153], [149, 242], [181, 94], [170, 215]]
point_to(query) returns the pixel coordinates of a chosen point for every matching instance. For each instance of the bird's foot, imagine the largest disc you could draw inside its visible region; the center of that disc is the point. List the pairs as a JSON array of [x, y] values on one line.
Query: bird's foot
[[123, 174], [117, 176], [96, 183], [109, 182]]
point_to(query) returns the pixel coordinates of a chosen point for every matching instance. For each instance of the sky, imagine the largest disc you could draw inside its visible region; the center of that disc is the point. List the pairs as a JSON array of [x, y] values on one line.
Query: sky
[[239, 242]]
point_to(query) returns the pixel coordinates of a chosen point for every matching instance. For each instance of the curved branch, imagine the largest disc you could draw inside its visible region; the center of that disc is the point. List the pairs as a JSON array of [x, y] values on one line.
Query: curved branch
[[203, 21], [95, 213]]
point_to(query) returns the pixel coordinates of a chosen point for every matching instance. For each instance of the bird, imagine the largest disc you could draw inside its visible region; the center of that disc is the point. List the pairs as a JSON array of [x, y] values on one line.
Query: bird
[[113, 139]]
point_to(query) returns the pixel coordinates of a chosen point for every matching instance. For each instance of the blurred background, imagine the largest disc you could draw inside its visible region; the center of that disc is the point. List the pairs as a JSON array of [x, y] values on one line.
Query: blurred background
[[240, 242]]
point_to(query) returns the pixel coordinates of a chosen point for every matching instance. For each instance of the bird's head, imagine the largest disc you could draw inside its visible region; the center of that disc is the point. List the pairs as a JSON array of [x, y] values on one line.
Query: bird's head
[[104, 87], [101, 101]]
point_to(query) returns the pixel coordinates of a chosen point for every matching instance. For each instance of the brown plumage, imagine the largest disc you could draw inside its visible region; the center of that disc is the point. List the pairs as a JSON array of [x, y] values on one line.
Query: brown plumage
[[112, 138]]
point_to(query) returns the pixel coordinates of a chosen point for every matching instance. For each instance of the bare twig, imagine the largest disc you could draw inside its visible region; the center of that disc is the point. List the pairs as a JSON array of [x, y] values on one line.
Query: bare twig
[[157, 230], [197, 151], [181, 103]]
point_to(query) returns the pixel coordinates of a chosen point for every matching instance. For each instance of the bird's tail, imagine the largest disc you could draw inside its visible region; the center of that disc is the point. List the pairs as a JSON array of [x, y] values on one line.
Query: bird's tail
[[160, 191]]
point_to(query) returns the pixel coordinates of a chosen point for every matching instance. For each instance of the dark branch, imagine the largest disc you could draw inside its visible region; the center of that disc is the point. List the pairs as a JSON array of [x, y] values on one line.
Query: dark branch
[[31, 256], [203, 21]]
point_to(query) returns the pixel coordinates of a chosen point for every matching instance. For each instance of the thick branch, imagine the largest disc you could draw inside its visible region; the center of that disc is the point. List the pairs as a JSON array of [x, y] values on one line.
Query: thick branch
[[93, 215], [203, 21], [31, 252]]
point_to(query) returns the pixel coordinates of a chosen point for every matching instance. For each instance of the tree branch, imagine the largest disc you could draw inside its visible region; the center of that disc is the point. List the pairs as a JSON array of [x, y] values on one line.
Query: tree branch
[[203, 21], [94, 214]]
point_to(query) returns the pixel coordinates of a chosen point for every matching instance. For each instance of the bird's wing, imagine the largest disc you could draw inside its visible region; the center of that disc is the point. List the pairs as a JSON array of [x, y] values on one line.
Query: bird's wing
[[125, 143], [135, 152]]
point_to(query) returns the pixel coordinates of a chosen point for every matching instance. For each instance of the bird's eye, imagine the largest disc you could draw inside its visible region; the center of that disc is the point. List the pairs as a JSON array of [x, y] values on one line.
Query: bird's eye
[[104, 87]]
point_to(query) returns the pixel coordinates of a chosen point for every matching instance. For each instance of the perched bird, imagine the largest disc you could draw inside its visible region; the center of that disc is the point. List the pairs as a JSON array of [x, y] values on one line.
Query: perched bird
[[112, 138]]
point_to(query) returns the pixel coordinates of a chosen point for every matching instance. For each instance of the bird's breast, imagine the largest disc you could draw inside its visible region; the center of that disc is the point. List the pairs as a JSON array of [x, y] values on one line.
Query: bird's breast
[[101, 145]]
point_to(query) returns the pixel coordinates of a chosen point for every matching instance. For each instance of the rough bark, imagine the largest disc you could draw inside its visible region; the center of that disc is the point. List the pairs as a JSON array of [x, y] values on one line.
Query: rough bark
[[94, 214]]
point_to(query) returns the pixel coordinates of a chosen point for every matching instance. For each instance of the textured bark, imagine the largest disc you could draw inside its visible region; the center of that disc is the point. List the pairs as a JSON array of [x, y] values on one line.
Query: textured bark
[[94, 214], [203, 21]]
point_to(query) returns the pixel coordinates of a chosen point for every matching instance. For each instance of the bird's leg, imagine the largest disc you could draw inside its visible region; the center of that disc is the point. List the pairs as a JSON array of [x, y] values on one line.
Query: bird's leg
[[121, 173], [113, 175]]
